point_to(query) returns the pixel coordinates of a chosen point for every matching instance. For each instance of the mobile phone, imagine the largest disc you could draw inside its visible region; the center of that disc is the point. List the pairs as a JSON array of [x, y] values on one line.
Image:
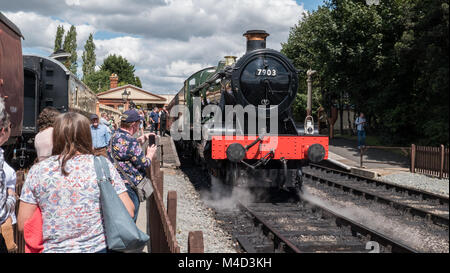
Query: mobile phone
[[151, 140]]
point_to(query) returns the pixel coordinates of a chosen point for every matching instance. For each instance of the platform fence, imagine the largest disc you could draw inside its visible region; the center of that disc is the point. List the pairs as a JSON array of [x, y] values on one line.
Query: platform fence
[[433, 161]]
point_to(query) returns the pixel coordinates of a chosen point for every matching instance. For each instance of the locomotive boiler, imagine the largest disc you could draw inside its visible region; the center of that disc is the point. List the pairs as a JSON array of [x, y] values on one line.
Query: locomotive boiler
[[264, 83]]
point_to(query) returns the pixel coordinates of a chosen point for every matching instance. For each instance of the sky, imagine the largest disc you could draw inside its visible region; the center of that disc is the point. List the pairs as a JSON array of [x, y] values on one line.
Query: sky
[[166, 40]]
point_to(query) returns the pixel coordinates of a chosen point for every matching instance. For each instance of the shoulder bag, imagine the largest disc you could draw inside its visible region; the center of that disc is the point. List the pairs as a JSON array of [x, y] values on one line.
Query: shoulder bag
[[121, 232]]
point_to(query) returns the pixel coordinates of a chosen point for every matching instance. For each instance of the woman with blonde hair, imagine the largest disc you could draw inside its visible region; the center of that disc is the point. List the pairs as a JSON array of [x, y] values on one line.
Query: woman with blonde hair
[[43, 140], [65, 188]]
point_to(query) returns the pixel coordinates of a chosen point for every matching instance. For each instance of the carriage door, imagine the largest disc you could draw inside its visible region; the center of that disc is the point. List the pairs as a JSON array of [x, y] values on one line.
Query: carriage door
[[30, 102]]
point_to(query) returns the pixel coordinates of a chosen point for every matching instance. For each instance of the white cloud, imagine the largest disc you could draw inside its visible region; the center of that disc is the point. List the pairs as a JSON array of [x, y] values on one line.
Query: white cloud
[[166, 40], [39, 31]]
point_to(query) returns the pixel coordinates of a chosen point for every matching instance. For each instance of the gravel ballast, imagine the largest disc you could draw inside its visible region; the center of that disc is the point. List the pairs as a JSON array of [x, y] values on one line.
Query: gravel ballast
[[419, 181], [194, 215], [412, 231]]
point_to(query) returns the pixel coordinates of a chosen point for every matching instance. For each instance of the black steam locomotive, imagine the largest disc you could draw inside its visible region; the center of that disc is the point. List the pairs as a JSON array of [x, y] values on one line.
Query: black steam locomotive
[[28, 84], [264, 83]]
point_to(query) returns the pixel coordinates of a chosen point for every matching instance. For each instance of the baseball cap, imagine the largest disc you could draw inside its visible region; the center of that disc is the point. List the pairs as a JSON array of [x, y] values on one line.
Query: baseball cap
[[93, 116], [130, 116]]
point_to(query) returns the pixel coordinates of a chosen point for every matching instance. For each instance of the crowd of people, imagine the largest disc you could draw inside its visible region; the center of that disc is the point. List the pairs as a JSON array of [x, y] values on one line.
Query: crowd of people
[[59, 209]]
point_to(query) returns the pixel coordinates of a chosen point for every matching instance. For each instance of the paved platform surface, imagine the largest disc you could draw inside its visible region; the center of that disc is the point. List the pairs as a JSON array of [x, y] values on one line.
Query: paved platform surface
[[169, 152], [376, 162], [166, 151]]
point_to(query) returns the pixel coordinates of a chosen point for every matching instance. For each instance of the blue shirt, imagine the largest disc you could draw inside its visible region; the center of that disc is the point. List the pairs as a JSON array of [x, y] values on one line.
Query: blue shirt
[[359, 123], [100, 136], [154, 116]]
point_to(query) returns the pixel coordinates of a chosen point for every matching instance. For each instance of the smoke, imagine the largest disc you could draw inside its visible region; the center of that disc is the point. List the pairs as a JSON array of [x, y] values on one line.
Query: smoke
[[415, 236], [222, 197]]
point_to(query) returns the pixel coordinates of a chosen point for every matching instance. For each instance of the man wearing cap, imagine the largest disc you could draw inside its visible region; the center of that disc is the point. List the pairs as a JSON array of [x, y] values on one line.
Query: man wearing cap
[[100, 136], [154, 119], [126, 154]]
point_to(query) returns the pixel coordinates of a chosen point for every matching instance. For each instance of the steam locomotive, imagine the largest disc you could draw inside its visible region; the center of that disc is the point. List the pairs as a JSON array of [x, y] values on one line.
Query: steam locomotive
[[264, 83], [28, 84]]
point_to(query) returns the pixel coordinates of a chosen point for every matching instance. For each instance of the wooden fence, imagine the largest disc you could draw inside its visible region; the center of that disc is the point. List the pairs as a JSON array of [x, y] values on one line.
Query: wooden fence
[[430, 160], [161, 221]]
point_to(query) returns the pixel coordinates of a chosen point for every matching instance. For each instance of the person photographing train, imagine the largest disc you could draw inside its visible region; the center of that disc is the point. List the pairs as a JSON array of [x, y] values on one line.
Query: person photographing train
[[126, 154]]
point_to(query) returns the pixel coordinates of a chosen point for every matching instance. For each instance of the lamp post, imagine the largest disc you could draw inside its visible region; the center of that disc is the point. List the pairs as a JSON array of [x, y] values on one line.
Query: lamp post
[[125, 96], [309, 73]]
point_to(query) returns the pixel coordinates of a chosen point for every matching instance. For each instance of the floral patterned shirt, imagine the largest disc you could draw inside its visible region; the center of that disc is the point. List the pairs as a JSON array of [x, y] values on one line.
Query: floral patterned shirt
[[70, 204], [129, 155]]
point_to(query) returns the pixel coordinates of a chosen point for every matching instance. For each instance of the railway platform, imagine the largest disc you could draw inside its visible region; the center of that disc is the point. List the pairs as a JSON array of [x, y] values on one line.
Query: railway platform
[[166, 151], [376, 162]]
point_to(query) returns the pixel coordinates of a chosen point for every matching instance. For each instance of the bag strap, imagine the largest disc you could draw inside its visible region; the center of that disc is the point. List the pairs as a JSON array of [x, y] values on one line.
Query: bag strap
[[105, 167], [99, 169]]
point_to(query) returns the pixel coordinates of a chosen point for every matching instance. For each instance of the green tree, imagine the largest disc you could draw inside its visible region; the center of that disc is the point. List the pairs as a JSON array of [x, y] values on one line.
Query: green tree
[[97, 81], [59, 38], [388, 60], [138, 82], [70, 46], [89, 57], [120, 66]]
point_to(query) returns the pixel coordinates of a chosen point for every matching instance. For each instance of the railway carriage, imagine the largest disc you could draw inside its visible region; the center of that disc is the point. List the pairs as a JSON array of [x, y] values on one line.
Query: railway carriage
[[11, 72], [49, 83]]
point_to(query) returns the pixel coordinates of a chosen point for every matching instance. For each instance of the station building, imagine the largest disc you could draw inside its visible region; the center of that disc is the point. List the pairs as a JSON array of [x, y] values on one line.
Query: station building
[[121, 98]]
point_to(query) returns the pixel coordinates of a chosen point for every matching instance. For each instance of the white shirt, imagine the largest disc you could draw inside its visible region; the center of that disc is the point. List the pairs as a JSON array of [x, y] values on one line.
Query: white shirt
[[359, 122], [10, 182]]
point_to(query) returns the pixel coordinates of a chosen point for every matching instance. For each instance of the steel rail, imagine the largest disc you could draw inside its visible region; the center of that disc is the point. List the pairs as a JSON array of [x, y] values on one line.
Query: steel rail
[[281, 241], [393, 245], [389, 243], [424, 194], [435, 218]]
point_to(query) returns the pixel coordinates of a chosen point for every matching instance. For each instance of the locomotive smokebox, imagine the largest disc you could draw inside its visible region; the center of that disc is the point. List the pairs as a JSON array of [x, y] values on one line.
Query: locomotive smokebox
[[256, 39]]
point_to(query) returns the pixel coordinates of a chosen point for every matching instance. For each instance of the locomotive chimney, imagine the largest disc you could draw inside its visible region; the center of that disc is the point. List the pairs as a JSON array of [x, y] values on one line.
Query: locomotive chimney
[[113, 81], [256, 39], [60, 55]]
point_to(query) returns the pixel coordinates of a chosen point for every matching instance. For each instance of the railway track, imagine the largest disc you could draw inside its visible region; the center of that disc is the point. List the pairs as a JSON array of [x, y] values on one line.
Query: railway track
[[309, 228], [432, 207]]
